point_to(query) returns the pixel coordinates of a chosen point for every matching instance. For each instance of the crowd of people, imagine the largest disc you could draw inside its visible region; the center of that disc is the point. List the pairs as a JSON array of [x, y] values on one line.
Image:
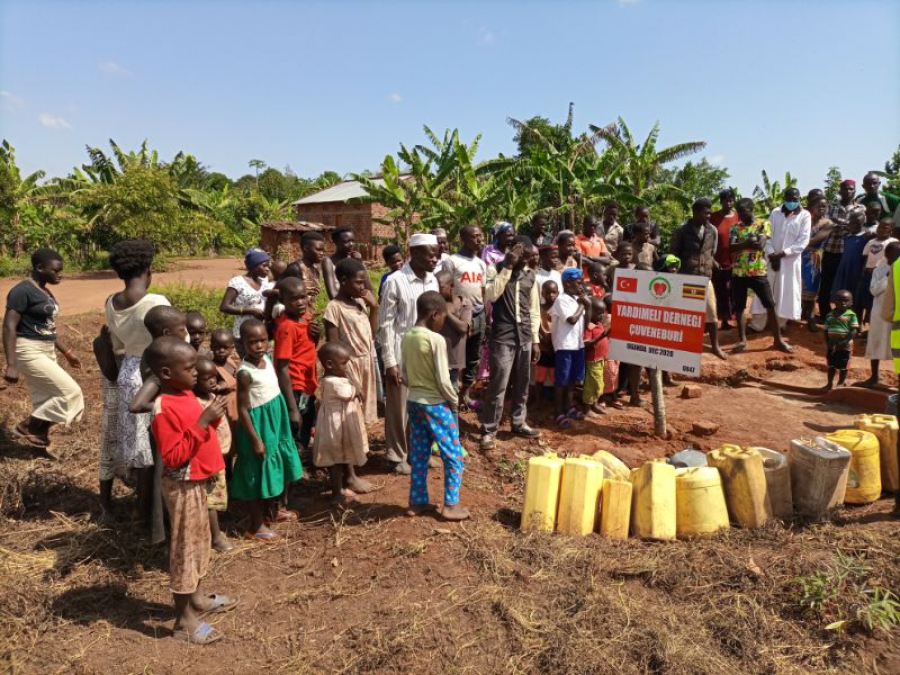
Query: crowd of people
[[197, 417]]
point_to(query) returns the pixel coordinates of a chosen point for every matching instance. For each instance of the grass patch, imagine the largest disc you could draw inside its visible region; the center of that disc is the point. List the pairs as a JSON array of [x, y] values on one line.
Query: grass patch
[[206, 300], [845, 594]]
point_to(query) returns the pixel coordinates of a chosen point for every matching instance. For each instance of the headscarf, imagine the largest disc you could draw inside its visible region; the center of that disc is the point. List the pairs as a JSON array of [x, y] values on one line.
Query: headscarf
[[499, 230]]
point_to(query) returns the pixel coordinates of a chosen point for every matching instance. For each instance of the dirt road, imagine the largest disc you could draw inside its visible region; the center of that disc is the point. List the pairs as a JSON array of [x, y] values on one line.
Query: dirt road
[[85, 292]]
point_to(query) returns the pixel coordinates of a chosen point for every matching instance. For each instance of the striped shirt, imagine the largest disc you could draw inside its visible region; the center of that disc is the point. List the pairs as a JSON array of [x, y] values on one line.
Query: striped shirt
[[397, 309]]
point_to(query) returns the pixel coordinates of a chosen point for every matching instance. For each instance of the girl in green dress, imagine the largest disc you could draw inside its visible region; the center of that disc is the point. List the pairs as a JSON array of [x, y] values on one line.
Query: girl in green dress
[[267, 458]]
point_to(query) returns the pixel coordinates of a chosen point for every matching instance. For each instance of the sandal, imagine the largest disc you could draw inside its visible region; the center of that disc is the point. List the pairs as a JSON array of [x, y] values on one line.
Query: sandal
[[575, 414], [617, 404], [204, 635], [30, 438], [264, 537], [563, 421], [221, 603]]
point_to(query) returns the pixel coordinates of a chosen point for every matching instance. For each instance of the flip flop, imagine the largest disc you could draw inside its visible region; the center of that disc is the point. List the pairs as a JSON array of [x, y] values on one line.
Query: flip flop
[[262, 537], [30, 439], [617, 405], [563, 422], [221, 603], [204, 635], [575, 414]]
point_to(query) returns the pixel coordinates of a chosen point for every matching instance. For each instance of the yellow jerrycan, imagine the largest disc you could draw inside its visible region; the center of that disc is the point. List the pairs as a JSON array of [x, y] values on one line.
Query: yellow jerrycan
[[778, 483], [819, 471], [615, 508], [653, 501], [885, 429], [864, 479], [744, 482], [612, 465], [542, 480], [700, 501], [579, 497]]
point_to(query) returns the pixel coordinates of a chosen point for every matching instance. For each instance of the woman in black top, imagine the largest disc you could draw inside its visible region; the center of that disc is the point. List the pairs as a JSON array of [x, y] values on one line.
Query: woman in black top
[[30, 341]]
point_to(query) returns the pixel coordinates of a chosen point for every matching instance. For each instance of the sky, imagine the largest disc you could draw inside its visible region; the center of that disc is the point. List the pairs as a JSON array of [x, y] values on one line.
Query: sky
[[780, 85]]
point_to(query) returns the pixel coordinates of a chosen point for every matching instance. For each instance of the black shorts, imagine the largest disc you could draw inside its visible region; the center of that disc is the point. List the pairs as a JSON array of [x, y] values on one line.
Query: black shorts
[[838, 359], [760, 287]]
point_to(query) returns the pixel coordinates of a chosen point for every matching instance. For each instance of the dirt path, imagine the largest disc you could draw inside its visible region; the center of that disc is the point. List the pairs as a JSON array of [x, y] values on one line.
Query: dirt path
[[85, 292]]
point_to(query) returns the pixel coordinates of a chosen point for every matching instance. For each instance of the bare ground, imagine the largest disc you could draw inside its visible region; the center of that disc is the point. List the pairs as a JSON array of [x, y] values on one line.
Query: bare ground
[[373, 592]]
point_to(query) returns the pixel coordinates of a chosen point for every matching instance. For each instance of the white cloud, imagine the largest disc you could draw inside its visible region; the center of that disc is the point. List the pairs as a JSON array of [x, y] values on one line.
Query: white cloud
[[113, 68], [486, 37], [395, 98], [9, 101], [717, 160], [53, 121]]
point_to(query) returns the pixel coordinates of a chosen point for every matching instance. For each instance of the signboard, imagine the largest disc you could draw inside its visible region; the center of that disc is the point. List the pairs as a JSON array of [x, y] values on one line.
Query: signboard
[[658, 320]]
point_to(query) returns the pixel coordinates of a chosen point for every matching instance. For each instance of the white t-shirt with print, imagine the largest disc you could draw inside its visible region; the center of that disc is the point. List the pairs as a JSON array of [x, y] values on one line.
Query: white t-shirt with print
[[468, 278], [566, 335], [873, 252]]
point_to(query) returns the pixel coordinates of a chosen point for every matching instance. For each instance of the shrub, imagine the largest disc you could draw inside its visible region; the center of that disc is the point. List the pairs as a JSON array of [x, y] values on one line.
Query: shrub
[[203, 299]]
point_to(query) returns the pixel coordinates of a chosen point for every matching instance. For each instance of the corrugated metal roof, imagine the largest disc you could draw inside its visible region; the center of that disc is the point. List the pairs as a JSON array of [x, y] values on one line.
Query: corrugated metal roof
[[295, 226], [342, 192]]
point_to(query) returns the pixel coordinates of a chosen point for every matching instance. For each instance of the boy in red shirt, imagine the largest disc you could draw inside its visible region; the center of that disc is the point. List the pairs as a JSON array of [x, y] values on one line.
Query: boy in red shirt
[[596, 351], [187, 443], [295, 358]]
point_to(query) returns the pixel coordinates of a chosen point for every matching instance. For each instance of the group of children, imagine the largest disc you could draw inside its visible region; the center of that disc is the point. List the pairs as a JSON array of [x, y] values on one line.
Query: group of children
[[228, 428]]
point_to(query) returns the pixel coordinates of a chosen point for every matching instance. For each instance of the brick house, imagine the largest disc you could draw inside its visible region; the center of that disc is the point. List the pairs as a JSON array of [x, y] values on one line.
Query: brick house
[[340, 206], [281, 238]]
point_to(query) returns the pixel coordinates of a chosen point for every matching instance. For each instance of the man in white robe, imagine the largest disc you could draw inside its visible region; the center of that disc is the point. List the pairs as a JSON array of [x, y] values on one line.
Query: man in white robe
[[791, 225]]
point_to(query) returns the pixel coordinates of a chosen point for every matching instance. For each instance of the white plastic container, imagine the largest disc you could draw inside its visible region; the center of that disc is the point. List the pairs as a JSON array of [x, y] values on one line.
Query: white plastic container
[[819, 470]]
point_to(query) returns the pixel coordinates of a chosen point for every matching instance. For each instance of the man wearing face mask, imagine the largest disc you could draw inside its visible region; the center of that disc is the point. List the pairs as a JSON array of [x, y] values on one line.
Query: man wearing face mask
[[790, 235]]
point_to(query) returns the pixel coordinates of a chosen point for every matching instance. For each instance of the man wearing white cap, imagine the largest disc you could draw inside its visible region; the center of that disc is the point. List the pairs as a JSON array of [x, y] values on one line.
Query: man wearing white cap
[[396, 315]]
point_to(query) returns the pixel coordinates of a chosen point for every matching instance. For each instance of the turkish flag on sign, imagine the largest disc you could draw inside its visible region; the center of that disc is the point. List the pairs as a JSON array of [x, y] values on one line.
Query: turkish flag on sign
[[627, 284]]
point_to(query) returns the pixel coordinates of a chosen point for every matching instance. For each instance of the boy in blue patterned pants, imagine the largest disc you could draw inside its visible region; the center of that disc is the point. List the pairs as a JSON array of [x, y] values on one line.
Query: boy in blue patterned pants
[[432, 407]]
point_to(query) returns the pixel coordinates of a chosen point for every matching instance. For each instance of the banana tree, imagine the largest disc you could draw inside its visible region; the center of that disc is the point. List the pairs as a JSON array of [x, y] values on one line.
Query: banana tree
[[770, 193], [555, 160], [642, 163], [17, 194]]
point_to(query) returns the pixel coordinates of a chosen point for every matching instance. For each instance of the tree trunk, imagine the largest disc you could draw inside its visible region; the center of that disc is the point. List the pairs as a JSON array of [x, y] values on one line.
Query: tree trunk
[[659, 403]]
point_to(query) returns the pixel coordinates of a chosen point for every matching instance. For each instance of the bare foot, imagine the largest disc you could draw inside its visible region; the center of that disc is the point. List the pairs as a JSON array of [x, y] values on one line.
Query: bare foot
[[635, 402], [222, 545], [598, 408], [345, 499], [418, 509], [739, 347], [868, 384], [783, 347], [718, 352], [455, 512], [360, 485]]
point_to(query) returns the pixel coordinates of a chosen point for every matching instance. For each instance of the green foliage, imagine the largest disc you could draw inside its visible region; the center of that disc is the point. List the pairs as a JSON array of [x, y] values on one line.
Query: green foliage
[[843, 595], [832, 183], [203, 299], [770, 193], [557, 172], [891, 173], [179, 205]]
